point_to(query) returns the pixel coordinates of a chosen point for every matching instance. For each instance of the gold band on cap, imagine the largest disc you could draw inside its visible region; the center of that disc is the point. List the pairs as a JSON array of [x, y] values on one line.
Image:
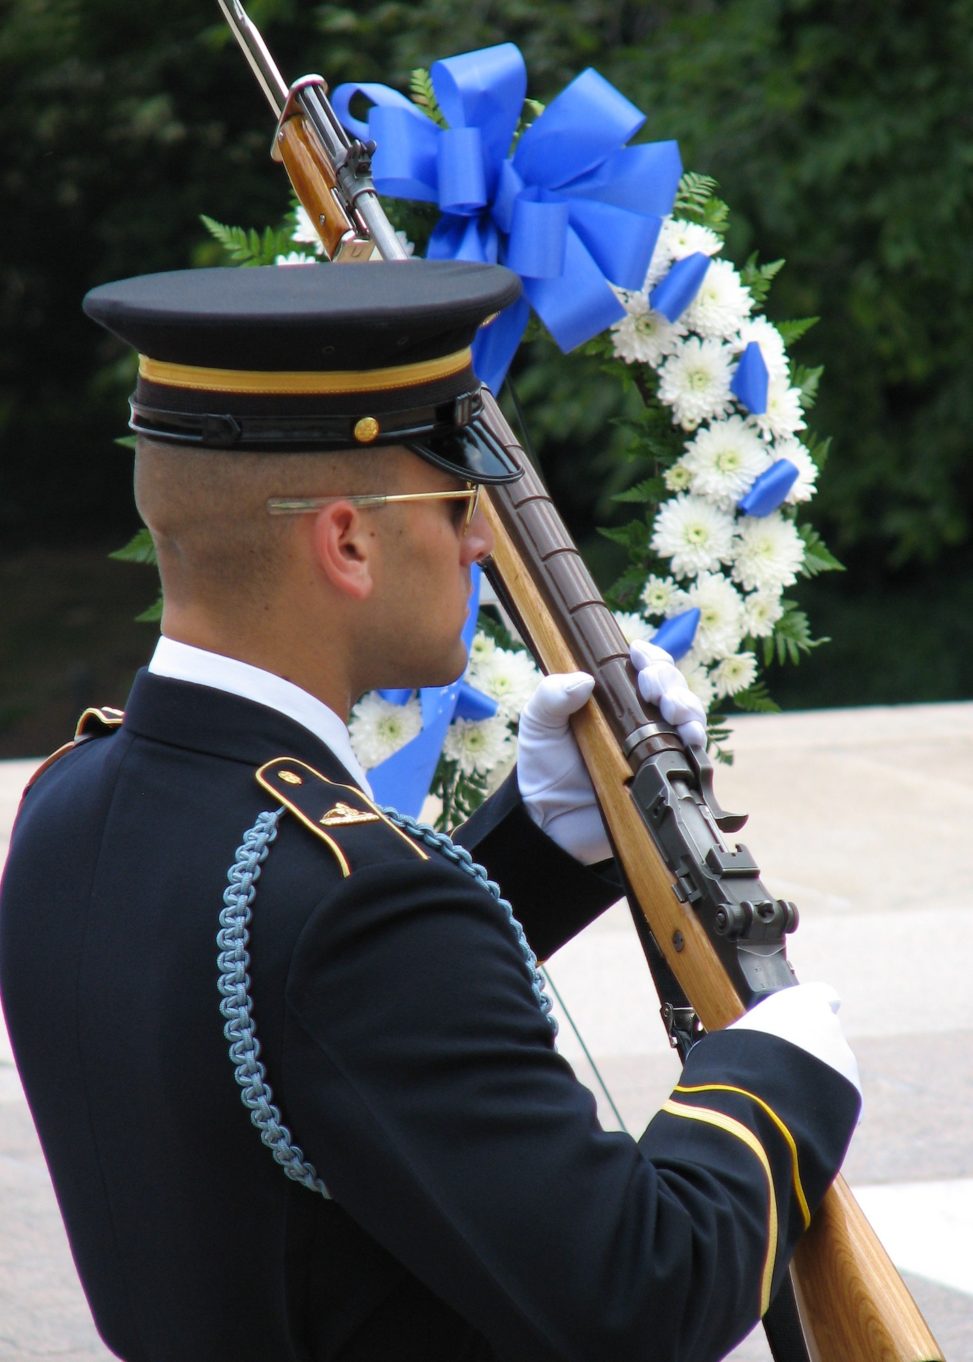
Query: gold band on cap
[[297, 382]]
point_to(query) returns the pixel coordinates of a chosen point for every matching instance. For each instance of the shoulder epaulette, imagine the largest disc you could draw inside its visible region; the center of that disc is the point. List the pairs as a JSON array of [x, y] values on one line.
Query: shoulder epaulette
[[342, 816], [94, 723]]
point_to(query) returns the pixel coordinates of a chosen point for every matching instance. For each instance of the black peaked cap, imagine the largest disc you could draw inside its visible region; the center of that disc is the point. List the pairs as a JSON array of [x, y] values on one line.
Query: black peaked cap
[[314, 356]]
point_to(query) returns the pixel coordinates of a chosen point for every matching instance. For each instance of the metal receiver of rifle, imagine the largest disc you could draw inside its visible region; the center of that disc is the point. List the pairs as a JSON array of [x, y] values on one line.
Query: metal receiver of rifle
[[713, 936], [310, 142]]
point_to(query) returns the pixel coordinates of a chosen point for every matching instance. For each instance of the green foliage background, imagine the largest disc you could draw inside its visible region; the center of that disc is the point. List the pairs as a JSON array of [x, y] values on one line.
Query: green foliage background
[[841, 134]]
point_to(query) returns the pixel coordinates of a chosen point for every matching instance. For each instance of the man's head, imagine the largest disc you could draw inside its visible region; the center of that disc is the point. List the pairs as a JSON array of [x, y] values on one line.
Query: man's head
[[311, 391], [352, 593]]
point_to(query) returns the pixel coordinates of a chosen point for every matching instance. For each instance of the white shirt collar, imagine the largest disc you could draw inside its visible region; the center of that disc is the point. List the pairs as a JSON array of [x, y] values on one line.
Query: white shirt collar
[[183, 662]]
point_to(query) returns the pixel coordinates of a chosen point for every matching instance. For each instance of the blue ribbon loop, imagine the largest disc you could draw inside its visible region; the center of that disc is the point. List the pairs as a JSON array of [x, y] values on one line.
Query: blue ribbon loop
[[769, 489], [677, 633], [571, 209], [751, 380], [673, 294]]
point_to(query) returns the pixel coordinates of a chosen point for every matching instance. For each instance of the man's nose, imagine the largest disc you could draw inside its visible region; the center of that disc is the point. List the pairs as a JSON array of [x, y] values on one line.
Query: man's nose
[[478, 540]]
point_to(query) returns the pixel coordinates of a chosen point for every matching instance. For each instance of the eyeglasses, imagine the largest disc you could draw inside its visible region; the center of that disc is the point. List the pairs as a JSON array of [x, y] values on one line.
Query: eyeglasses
[[301, 505]]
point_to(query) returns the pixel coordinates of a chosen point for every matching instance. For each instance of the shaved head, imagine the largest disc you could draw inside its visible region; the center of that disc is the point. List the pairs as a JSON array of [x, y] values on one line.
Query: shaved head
[[319, 599], [207, 510]]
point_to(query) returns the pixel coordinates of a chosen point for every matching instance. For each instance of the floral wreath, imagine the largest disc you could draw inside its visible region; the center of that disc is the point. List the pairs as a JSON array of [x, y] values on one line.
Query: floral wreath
[[721, 453]]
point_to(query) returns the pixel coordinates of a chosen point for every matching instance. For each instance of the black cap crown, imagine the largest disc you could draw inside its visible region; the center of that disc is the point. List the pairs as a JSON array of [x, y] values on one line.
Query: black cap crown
[[315, 356]]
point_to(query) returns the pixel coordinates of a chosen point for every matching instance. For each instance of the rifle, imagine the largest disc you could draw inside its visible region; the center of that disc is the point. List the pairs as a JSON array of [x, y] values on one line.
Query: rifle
[[713, 935]]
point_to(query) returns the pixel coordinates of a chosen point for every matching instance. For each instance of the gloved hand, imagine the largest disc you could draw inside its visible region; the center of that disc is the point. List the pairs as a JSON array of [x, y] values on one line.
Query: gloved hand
[[662, 683], [806, 1015], [553, 781]]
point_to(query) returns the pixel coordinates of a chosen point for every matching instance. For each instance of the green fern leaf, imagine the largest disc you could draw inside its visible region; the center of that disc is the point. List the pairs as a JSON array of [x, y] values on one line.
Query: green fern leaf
[[817, 556], [806, 381], [152, 615], [648, 492], [424, 96], [632, 536], [793, 330], [756, 700], [139, 549], [758, 278]]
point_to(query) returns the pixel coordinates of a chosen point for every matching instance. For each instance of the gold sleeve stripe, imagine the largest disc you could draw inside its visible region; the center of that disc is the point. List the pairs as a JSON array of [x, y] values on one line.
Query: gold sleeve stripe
[[299, 382], [788, 1137], [733, 1127]]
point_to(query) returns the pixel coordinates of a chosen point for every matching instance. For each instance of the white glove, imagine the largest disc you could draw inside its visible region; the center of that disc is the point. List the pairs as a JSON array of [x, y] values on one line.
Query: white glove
[[806, 1015], [554, 783], [662, 683]]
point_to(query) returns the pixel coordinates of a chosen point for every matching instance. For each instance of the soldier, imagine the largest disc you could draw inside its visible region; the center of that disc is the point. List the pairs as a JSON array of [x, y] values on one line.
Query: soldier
[[435, 1184]]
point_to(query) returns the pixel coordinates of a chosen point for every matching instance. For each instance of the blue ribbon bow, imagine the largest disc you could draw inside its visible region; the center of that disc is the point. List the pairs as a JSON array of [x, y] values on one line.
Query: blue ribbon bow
[[572, 209]]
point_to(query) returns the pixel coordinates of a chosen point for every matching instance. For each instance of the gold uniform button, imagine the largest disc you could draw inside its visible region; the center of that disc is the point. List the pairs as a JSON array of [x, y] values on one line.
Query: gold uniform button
[[366, 430]]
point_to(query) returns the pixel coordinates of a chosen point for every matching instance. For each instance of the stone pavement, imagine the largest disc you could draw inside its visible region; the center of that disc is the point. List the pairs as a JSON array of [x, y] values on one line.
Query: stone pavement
[[865, 819]]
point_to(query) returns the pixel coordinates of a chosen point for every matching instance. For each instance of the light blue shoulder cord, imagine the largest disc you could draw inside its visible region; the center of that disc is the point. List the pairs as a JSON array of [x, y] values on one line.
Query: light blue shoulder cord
[[234, 981]]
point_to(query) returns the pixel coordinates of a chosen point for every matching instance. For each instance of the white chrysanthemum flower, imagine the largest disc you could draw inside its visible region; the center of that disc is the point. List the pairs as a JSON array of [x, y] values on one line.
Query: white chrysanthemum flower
[[807, 470], [643, 336], [771, 344], [723, 459], [407, 245], [633, 626], [678, 477], [379, 728], [720, 605], [676, 240], [680, 239], [695, 535], [768, 553], [660, 596], [478, 745], [784, 414], [697, 679], [695, 382], [482, 647], [722, 304], [508, 677], [304, 230], [734, 674], [761, 611], [294, 258]]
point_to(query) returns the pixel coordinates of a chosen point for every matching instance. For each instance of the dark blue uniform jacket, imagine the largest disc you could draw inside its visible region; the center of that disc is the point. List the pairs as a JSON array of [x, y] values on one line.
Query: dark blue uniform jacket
[[479, 1210]]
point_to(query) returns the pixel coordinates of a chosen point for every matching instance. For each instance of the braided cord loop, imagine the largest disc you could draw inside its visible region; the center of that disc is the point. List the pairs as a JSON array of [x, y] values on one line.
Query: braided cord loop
[[233, 961], [240, 1030]]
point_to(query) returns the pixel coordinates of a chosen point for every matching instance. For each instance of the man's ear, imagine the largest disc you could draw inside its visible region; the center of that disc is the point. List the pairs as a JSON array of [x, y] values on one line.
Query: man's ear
[[345, 549]]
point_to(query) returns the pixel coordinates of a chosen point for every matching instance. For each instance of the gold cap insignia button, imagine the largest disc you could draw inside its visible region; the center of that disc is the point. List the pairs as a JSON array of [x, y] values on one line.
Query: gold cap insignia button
[[366, 430]]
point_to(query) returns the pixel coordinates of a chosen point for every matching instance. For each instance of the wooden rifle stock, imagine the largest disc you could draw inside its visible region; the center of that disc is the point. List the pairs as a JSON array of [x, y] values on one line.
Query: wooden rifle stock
[[854, 1305]]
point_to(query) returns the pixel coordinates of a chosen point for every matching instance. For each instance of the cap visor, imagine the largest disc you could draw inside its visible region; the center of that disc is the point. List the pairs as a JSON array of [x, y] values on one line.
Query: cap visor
[[473, 453]]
